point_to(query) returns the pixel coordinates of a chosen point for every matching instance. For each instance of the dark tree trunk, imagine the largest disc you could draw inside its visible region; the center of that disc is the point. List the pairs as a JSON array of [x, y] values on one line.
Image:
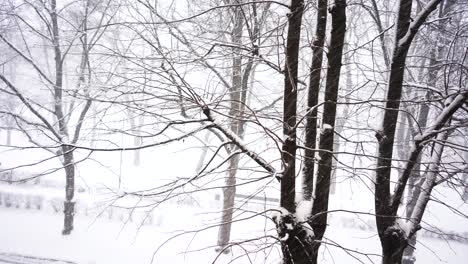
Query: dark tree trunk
[[392, 238], [312, 100], [324, 170], [387, 134], [288, 187], [293, 250], [386, 141], [393, 254], [376, 17], [299, 246]]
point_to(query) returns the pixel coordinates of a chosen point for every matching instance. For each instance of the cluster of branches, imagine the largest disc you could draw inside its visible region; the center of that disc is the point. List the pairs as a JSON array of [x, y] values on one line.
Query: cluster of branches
[[171, 71]]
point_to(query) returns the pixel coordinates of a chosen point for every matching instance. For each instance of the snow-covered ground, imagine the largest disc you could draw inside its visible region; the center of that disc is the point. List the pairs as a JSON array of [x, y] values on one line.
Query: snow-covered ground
[[186, 231], [36, 233], [182, 234], [9, 258]]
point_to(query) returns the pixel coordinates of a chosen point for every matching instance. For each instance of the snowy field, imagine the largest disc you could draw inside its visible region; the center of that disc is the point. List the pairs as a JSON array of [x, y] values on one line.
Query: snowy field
[[103, 241], [184, 231], [181, 235], [6, 258]]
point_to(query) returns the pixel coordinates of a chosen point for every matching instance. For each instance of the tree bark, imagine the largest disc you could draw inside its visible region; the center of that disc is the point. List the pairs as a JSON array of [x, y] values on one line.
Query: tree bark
[[324, 169], [465, 174], [229, 193], [387, 133], [11, 105], [392, 238], [288, 189], [293, 250], [416, 180], [69, 204], [67, 152], [312, 100], [237, 124]]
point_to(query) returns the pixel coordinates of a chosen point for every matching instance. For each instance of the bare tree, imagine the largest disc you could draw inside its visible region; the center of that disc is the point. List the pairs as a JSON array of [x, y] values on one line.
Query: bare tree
[[56, 129], [301, 243], [394, 237], [181, 72]]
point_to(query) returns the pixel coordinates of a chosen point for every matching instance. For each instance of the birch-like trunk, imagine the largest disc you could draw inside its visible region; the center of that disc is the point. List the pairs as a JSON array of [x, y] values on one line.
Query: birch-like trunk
[[229, 190], [11, 106], [135, 127], [242, 78]]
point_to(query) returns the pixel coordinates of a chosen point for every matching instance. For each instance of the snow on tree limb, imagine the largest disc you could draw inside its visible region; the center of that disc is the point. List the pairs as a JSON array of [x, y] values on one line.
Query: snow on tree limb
[[429, 183], [420, 18], [241, 144], [420, 141]]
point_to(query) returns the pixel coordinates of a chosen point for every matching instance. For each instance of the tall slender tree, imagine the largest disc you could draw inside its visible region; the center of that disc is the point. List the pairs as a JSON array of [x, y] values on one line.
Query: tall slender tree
[[312, 98], [57, 129], [394, 238]]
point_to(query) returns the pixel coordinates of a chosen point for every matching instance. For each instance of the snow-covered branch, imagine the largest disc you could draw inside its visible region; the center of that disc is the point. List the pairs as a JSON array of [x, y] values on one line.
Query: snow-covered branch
[[429, 183], [420, 140], [240, 144], [420, 18]]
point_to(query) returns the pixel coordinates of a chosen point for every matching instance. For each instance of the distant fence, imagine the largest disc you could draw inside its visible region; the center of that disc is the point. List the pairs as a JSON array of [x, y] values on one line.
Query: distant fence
[[15, 197], [38, 193], [22, 178], [30, 197]]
